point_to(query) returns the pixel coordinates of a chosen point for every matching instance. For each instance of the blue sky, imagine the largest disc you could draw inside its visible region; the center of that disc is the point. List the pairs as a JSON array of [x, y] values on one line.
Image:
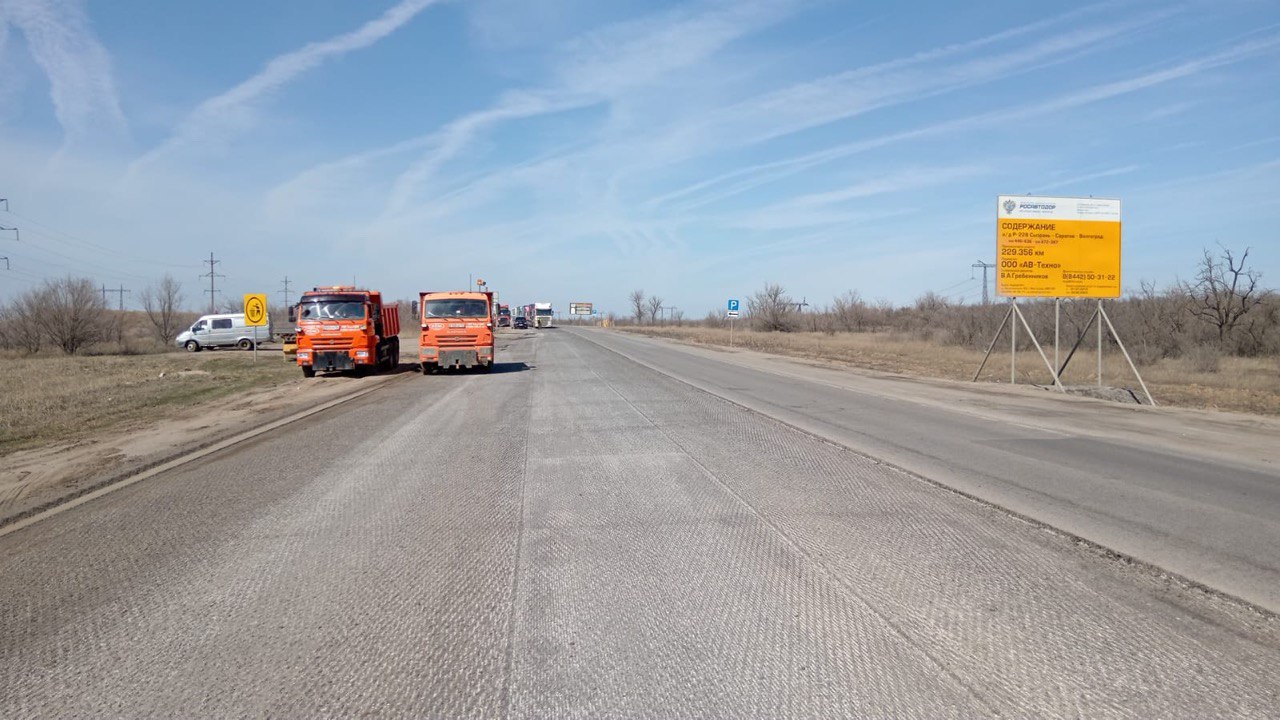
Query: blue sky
[[574, 150]]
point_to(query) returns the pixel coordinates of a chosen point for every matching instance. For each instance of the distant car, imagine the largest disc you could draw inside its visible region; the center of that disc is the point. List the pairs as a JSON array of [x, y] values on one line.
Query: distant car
[[520, 324]]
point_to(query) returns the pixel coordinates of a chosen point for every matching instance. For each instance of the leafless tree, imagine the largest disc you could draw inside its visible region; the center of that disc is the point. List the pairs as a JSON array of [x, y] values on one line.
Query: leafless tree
[[20, 326], [771, 309], [1224, 291], [637, 305], [74, 314], [655, 307], [162, 303]]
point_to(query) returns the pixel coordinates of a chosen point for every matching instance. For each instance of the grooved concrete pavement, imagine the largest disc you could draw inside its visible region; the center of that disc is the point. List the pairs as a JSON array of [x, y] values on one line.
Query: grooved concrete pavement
[[1194, 495], [581, 536]]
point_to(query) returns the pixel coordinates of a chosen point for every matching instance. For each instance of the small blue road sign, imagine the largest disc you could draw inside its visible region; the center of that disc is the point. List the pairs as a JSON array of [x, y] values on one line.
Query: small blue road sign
[[733, 305]]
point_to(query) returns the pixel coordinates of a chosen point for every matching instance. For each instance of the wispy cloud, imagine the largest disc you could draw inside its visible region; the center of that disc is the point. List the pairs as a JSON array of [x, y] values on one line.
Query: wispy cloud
[[942, 71], [1067, 182], [81, 85], [742, 180], [601, 67], [232, 111], [817, 208]]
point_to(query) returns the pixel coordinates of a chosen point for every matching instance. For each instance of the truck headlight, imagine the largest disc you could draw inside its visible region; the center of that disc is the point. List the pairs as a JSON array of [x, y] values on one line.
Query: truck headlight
[[362, 353]]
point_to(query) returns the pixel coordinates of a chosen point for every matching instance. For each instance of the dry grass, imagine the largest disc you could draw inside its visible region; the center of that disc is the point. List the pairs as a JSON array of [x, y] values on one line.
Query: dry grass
[[50, 398], [1239, 384]]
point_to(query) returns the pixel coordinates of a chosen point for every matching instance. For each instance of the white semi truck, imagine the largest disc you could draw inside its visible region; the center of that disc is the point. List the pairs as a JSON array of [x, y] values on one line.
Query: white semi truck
[[542, 314]]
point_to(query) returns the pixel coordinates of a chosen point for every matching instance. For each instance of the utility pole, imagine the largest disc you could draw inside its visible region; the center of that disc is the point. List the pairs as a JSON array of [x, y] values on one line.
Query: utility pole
[[986, 299], [285, 291], [213, 290], [15, 232], [118, 291], [800, 306]]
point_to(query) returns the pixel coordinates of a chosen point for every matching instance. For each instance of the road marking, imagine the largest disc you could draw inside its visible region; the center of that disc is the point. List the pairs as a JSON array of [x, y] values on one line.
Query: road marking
[[196, 455]]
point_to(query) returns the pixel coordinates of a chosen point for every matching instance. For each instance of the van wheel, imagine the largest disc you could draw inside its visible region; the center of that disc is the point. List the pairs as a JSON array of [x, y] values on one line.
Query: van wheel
[[245, 344], [308, 371], [192, 346]]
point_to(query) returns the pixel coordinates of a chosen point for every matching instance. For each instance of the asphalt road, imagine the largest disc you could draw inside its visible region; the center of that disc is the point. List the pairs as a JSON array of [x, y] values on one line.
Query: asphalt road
[[581, 535], [1159, 485]]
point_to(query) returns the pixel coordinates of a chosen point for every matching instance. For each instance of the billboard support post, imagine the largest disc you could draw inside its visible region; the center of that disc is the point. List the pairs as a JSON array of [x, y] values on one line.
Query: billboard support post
[[1013, 343], [992, 346]]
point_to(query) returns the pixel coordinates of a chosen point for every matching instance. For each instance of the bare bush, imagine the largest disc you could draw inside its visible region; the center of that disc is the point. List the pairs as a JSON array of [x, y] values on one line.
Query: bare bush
[[849, 312], [771, 309], [162, 303], [73, 313], [20, 326]]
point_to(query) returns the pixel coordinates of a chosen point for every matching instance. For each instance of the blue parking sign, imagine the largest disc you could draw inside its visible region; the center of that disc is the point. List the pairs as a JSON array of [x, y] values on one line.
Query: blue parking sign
[[733, 306]]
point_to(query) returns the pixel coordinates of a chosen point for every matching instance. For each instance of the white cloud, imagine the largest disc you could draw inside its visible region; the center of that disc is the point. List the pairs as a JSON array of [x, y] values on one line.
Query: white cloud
[[741, 180], [231, 111], [78, 67], [816, 209]]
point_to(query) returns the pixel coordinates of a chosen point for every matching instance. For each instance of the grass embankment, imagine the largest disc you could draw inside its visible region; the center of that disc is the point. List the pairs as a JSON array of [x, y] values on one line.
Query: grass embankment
[[57, 398], [1239, 384]]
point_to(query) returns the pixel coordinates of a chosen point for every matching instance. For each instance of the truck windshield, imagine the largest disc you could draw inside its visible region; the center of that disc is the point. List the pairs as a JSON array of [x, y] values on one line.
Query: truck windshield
[[543, 313], [331, 311], [456, 308]]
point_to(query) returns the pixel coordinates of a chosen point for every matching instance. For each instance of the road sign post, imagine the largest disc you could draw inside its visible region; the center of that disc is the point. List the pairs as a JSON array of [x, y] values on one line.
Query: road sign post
[[255, 316], [733, 312]]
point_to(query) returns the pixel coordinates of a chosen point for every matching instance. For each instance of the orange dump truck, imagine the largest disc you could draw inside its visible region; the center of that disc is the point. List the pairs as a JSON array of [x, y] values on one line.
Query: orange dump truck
[[341, 327], [457, 330]]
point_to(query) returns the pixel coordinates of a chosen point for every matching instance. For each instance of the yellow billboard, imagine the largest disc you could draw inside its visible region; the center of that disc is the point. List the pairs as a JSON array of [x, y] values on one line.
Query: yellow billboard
[[1057, 247]]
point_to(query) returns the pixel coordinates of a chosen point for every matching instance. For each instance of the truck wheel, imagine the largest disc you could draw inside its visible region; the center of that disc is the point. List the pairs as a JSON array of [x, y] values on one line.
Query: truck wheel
[[245, 344], [308, 371], [192, 346]]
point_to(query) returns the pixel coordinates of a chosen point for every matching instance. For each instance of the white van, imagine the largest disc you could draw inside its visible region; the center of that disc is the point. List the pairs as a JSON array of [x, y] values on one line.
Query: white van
[[225, 330]]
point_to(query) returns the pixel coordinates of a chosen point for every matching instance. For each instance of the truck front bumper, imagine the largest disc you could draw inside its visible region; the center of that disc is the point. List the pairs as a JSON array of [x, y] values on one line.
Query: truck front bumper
[[330, 360], [458, 357]]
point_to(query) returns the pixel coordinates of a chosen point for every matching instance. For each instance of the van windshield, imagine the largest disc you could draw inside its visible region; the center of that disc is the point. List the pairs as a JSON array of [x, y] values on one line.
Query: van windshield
[[331, 311], [456, 308]]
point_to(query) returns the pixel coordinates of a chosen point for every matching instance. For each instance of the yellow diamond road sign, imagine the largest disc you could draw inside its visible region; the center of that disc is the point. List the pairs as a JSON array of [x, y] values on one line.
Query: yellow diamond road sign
[[255, 310]]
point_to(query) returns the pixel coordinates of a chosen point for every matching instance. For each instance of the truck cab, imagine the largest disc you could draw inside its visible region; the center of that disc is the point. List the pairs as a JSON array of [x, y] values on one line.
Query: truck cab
[[457, 330], [341, 327]]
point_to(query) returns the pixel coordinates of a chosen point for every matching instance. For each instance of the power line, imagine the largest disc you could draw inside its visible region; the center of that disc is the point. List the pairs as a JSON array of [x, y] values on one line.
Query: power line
[[54, 233], [213, 290]]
